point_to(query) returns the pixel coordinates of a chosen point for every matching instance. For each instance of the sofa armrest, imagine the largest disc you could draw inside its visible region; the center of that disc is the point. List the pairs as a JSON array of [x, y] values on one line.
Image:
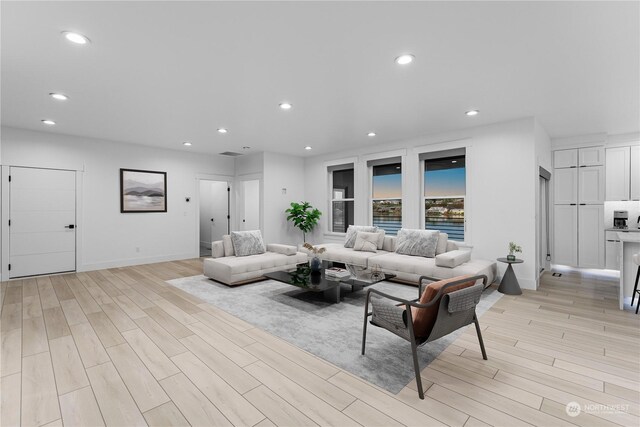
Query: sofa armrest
[[217, 249], [282, 249], [453, 258]]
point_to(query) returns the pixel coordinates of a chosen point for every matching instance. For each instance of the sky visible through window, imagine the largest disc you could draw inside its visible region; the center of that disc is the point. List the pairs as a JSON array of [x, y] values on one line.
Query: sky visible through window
[[444, 182]]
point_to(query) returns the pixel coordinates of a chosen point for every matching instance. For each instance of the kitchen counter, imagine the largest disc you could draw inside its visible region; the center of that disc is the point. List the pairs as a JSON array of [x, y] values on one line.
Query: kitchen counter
[[629, 244], [632, 229]]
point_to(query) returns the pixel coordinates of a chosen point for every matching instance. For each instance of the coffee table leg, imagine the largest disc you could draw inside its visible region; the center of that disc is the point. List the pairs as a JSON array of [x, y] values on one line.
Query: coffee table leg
[[333, 294], [509, 284]]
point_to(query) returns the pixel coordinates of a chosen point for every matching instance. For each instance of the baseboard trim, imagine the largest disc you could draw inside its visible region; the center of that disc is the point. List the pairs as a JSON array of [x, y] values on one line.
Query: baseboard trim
[[135, 261]]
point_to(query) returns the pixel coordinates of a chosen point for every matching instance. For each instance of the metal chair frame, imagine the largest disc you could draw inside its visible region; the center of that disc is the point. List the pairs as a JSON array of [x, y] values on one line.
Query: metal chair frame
[[417, 342]]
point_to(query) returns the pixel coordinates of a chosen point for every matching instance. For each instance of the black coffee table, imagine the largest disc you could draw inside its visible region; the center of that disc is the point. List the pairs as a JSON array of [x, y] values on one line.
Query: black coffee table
[[302, 278]]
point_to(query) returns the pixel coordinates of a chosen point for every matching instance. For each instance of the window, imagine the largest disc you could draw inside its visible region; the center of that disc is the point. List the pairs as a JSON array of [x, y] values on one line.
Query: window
[[386, 197], [444, 195], [341, 200]]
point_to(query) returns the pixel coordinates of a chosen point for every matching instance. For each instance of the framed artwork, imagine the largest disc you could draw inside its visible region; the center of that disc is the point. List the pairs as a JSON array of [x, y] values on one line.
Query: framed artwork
[[143, 191]]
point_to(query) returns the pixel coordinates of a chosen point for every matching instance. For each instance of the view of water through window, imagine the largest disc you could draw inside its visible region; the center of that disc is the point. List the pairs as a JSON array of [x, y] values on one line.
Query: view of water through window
[[387, 197], [444, 195]]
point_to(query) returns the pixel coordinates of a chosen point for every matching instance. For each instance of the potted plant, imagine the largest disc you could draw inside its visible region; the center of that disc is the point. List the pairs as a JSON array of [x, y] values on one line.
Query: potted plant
[[304, 216], [513, 249]]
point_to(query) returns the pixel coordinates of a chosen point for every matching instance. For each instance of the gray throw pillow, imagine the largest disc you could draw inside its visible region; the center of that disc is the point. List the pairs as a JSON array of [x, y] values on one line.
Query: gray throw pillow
[[350, 239], [367, 242], [417, 242], [247, 242]]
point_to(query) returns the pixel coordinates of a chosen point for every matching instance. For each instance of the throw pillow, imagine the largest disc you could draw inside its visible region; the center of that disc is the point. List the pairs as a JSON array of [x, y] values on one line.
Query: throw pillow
[[247, 242], [381, 234], [442, 243], [228, 245], [425, 318], [367, 242], [350, 239], [417, 242]]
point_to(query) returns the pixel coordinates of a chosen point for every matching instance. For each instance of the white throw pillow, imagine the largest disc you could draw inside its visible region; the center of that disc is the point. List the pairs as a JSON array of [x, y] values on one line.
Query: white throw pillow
[[367, 242], [247, 242], [228, 245], [381, 234], [350, 238], [417, 242], [442, 243]]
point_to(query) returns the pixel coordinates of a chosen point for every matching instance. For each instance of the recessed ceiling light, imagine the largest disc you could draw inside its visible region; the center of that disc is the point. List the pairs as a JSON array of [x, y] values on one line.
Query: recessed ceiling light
[[472, 113], [371, 134], [307, 147], [222, 130], [188, 144], [75, 37], [59, 96], [454, 161], [405, 59], [286, 106], [48, 122]]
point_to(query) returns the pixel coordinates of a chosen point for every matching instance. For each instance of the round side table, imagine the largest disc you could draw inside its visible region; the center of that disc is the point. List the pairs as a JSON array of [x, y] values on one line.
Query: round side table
[[509, 284]]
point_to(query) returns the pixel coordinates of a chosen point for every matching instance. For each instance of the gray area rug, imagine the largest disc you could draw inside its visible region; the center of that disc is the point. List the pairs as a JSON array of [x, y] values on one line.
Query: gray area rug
[[332, 332]]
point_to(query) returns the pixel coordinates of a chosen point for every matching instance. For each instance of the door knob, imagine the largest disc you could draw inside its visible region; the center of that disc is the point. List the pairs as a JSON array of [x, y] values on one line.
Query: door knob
[[70, 226]]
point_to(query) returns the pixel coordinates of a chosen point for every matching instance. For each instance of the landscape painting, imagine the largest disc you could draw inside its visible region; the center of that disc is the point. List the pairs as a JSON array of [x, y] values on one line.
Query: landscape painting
[[143, 191]]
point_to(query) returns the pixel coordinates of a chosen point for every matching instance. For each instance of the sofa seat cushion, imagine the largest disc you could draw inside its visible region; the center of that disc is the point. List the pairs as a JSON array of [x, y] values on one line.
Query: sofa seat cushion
[[234, 269], [338, 253], [453, 258]]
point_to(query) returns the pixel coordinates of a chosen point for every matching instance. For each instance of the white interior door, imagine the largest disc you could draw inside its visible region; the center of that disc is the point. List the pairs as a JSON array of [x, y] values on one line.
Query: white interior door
[[250, 205], [214, 211], [42, 209]]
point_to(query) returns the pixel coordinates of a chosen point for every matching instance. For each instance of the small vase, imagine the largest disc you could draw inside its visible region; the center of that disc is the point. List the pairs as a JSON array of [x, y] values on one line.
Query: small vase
[[315, 264], [511, 257]]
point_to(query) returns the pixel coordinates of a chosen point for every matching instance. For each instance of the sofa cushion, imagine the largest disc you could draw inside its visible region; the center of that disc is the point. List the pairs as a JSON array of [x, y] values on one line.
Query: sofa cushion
[[350, 238], [417, 242], [366, 241], [282, 249], [228, 245], [452, 246], [389, 243], [425, 318], [453, 258], [442, 243], [247, 243], [232, 270], [217, 249], [338, 253]]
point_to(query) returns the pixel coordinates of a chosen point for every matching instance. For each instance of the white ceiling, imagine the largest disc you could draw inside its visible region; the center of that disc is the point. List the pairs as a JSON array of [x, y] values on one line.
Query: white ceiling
[[160, 73]]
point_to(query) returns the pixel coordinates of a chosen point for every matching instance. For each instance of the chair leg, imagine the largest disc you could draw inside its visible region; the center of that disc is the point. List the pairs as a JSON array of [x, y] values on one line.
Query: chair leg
[[635, 288], [364, 326], [416, 367], [484, 353]]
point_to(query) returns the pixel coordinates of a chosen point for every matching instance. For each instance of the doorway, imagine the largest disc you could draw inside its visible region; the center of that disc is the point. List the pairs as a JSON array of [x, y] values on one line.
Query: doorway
[[250, 205], [214, 213], [42, 221], [544, 251]]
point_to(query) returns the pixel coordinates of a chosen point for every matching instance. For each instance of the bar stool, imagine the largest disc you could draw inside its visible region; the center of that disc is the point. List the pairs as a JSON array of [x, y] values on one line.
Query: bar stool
[[636, 259]]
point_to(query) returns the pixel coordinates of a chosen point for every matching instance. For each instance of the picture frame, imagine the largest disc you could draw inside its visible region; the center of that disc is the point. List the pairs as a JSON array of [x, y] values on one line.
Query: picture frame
[[142, 191]]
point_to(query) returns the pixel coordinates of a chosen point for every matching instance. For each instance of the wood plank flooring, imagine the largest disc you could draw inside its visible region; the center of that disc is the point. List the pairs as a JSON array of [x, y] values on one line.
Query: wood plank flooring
[[121, 347]]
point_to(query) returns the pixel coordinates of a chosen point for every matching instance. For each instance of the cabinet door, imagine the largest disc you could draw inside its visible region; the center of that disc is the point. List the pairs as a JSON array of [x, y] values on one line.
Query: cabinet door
[[591, 185], [565, 158], [565, 186], [617, 173], [591, 236], [635, 172], [565, 235], [591, 156], [611, 255]]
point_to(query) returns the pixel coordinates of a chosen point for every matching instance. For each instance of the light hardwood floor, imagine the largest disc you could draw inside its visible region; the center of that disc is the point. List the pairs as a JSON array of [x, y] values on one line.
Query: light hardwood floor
[[121, 347]]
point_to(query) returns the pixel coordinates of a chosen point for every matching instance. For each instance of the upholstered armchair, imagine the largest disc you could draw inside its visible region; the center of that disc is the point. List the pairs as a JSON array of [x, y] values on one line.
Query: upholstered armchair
[[443, 307]]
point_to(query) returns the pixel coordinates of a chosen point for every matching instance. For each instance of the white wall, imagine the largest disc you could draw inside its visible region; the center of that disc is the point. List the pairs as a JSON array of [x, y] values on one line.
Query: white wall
[[543, 159], [502, 178], [283, 183], [107, 237]]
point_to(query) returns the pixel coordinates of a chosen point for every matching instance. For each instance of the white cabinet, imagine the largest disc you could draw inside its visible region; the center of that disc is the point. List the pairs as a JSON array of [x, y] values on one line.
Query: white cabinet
[[565, 186], [618, 172], [635, 172], [590, 185], [565, 158], [612, 261], [591, 156], [591, 236], [565, 242]]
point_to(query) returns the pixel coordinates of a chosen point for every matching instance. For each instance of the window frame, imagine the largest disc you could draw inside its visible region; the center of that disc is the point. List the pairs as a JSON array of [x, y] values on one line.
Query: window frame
[[382, 162], [331, 168]]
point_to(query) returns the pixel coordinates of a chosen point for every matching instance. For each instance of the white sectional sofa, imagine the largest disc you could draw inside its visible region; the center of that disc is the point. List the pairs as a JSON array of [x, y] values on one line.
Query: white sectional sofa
[[407, 268], [232, 270]]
